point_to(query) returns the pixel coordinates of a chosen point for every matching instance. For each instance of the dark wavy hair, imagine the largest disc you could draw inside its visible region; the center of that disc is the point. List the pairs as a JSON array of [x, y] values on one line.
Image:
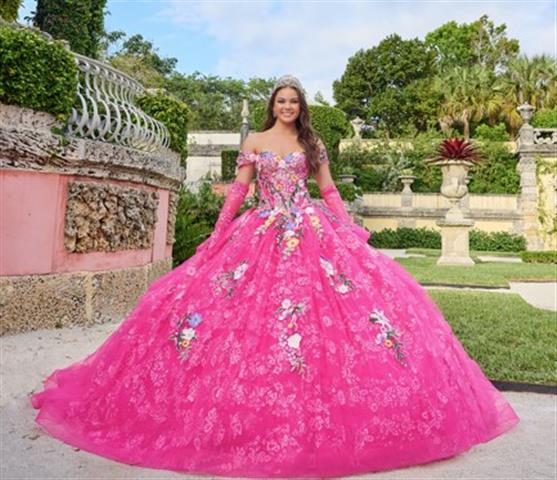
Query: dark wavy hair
[[306, 135]]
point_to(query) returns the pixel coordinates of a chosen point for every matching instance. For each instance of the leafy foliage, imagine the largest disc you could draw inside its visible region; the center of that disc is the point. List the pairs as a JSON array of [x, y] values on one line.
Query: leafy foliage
[[376, 82], [228, 164], [9, 9], [496, 241], [35, 72], [539, 256], [405, 237], [80, 22], [174, 114], [545, 118], [493, 133], [216, 103], [477, 43], [497, 173], [196, 216]]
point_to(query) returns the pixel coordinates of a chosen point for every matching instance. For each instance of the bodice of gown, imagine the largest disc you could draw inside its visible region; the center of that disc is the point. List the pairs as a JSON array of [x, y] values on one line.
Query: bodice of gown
[[281, 181]]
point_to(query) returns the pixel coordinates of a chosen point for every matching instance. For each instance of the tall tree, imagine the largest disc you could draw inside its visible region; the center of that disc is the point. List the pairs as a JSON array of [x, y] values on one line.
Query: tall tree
[[528, 80], [9, 9], [467, 44], [144, 50], [468, 97], [375, 81], [80, 22], [139, 58]]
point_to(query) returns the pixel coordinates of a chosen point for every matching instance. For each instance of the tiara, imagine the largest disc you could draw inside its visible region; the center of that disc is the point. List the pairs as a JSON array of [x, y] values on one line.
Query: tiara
[[288, 81]]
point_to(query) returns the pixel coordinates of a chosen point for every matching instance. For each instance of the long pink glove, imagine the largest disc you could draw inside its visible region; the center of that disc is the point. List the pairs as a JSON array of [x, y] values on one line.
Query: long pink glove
[[234, 199], [334, 201]]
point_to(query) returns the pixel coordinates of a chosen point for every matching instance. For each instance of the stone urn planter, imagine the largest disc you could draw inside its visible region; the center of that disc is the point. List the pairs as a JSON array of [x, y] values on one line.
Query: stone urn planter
[[455, 157], [346, 174], [347, 177], [407, 180]]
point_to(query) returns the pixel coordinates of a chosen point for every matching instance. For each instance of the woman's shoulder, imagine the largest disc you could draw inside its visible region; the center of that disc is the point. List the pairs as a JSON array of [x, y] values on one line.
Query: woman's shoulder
[[251, 142]]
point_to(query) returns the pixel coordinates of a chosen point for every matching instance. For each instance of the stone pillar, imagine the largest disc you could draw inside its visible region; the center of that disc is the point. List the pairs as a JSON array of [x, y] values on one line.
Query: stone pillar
[[244, 129], [528, 200]]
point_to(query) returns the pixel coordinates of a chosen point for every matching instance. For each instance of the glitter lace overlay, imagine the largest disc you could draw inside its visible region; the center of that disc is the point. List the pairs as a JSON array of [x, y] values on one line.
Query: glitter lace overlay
[[296, 349]]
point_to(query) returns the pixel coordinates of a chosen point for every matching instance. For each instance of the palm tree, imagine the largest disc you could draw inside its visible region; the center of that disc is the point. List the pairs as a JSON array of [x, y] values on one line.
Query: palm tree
[[468, 97], [528, 80]]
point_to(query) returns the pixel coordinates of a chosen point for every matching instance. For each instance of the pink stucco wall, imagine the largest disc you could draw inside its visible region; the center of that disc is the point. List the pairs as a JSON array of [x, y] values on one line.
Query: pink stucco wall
[[32, 210]]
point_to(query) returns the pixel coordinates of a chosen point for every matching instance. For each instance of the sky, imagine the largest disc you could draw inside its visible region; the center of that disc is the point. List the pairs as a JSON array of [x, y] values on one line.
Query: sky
[[312, 40]]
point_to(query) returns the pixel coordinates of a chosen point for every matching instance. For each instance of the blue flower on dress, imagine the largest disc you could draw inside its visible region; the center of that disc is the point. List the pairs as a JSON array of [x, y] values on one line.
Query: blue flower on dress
[[194, 320], [184, 336]]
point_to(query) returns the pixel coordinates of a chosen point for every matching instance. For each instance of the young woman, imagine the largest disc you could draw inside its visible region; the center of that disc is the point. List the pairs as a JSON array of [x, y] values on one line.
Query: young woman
[[286, 346]]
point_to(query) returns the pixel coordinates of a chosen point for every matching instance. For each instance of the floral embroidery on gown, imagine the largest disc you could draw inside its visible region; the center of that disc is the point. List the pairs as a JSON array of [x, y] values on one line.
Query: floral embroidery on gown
[[296, 349]]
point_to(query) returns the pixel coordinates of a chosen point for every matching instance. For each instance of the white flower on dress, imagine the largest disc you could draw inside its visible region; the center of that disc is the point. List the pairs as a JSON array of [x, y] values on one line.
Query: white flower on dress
[[343, 288], [188, 333], [309, 210], [286, 303], [327, 266], [380, 338], [294, 340], [240, 270]]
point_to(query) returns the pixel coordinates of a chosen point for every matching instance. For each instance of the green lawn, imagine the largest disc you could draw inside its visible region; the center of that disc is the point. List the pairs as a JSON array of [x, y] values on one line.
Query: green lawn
[[435, 252], [510, 339], [490, 274]]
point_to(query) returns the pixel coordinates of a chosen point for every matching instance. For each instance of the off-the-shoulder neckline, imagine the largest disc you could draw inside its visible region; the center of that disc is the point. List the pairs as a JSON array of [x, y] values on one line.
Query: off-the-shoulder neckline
[[274, 153]]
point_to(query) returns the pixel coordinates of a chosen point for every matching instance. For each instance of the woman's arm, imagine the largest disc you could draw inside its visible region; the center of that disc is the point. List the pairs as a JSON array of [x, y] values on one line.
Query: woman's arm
[[327, 186], [235, 195], [330, 194], [246, 171]]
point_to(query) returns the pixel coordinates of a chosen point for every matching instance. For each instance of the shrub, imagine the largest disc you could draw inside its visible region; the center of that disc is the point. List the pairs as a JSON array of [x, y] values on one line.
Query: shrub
[[35, 72], [496, 241], [370, 179], [545, 118], [539, 256], [174, 114], [496, 133], [348, 191], [404, 237], [424, 237], [196, 216], [497, 172], [228, 164]]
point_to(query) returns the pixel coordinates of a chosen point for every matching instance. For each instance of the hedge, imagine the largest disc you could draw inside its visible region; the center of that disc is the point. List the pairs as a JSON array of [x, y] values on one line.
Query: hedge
[[35, 72], [549, 256], [424, 237], [174, 114]]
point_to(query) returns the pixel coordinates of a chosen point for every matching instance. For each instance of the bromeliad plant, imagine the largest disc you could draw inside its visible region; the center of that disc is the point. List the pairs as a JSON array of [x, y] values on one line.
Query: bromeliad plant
[[455, 156], [456, 149]]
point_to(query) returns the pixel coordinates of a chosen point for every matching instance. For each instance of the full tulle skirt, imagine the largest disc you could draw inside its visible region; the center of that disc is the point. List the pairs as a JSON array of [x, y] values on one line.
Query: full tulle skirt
[[305, 354]]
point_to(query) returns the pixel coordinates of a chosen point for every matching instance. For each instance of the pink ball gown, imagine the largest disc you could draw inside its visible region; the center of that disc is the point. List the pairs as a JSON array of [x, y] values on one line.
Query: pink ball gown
[[296, 349]]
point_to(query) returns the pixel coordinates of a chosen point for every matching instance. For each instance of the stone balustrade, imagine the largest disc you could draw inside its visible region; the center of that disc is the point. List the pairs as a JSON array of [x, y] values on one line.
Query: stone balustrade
[[105, 109]]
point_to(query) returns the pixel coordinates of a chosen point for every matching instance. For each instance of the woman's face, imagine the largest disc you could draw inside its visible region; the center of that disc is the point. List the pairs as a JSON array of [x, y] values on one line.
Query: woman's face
[[287, 105]]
